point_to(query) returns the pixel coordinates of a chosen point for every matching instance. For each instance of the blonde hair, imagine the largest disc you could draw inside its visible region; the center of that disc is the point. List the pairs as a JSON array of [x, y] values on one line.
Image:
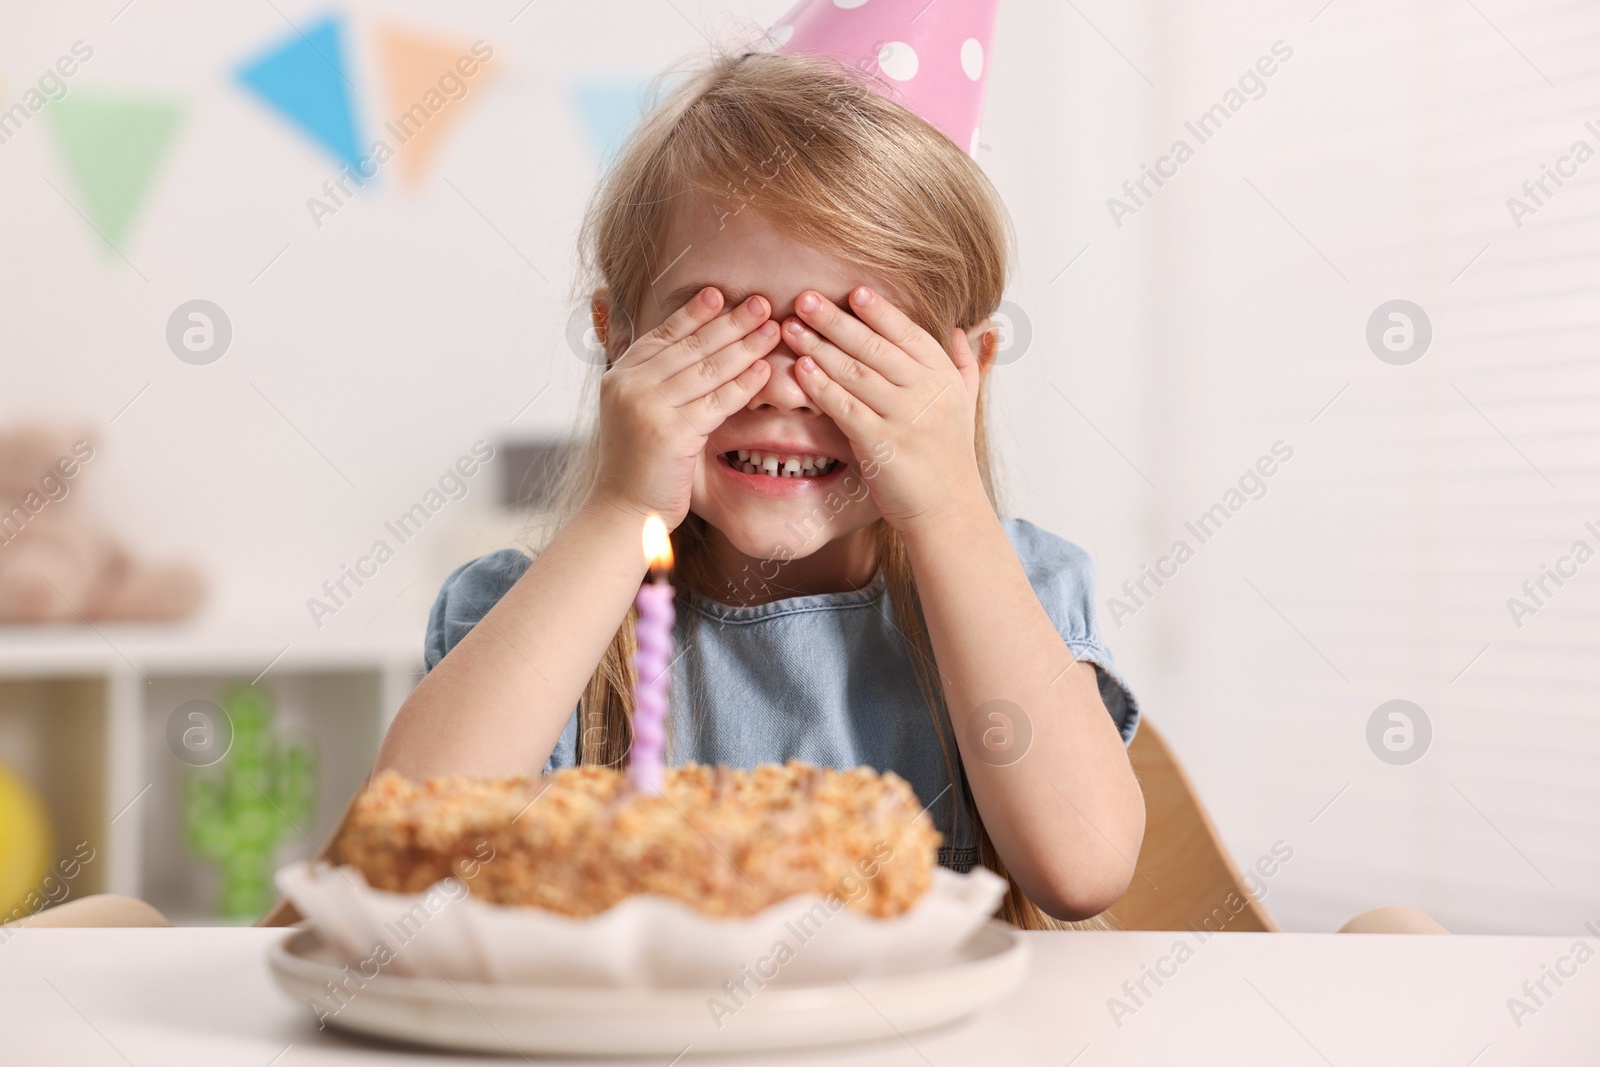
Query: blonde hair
[[835, 166]]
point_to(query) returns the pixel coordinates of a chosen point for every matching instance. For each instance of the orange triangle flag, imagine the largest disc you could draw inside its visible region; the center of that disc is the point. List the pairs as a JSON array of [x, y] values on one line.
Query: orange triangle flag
[[431, 82]]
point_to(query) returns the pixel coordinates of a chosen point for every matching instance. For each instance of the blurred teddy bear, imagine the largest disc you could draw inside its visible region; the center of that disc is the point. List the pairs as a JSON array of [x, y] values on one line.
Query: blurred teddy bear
[[57, 564]]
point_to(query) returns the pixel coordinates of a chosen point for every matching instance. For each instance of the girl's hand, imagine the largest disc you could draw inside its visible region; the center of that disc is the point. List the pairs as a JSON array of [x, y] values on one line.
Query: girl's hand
[[908, 408], [672, 388]]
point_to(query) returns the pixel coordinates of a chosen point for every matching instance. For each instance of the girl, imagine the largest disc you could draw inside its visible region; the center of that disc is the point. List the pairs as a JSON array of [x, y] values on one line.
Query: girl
[[795, 278]]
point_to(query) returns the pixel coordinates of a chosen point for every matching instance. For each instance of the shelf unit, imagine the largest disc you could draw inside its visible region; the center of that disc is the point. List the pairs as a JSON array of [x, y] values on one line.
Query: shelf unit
[[83, 717]]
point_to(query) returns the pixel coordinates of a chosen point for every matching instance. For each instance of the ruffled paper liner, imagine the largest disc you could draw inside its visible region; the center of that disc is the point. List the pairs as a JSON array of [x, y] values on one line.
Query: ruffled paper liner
[[643, 941]]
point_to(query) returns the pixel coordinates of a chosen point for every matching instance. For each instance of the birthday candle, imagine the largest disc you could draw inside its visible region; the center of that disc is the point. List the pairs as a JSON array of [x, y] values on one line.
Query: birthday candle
[[653, 632]]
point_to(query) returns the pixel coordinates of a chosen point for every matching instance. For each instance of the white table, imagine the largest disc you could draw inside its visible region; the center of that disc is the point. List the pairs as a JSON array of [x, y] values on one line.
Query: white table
[[165, 998]]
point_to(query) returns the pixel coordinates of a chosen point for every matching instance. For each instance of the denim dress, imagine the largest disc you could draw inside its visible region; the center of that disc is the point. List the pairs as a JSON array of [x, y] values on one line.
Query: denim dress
[[826, 679]]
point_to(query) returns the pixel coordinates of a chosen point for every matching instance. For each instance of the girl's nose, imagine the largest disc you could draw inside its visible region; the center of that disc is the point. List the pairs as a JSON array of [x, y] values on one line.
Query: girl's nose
[[782, 391]]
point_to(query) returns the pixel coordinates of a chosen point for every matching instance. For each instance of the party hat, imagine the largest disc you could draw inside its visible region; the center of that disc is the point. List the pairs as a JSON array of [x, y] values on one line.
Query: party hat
[[932, 56]]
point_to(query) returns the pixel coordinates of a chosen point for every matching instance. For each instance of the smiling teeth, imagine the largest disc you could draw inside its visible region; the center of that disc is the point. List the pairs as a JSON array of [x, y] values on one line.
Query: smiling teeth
[[775, 465]]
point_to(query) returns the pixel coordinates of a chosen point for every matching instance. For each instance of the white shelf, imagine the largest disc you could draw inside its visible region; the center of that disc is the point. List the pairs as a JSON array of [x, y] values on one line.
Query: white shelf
[[63, 650], [83, 715]]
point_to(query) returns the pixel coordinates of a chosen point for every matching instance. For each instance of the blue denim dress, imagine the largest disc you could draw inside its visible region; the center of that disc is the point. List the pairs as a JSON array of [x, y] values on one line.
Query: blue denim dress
[[826, 679]]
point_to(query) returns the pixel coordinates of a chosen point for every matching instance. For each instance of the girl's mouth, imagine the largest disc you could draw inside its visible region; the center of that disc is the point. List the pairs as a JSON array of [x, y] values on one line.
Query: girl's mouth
[[780, 474], [779, 464]]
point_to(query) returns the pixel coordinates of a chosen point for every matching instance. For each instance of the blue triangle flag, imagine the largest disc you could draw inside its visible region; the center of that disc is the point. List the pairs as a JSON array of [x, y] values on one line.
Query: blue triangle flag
[[303, 78], [610, 110]]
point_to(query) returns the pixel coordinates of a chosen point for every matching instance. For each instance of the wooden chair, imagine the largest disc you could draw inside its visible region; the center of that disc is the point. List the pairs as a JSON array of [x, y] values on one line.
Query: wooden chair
[[1185, 879]]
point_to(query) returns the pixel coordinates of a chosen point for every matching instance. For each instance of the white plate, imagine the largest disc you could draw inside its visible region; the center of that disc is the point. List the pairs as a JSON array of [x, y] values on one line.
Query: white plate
[[644, 941], [600, 1021]]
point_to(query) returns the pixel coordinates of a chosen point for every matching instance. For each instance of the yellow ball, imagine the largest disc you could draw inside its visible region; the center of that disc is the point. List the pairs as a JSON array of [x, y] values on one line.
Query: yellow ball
[[24, 844]]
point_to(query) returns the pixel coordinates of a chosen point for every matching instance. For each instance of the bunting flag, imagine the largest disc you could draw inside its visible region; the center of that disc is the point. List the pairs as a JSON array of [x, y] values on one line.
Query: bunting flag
[[609, 110], [304, 78], [431, 82], [112, 146]]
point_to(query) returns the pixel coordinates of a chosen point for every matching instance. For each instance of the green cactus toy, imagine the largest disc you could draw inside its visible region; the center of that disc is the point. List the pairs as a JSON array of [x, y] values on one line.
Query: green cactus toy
[[237, 818]]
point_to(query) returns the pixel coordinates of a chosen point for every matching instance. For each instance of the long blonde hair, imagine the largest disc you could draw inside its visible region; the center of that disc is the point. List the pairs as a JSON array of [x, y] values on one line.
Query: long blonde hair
[[837, 167]]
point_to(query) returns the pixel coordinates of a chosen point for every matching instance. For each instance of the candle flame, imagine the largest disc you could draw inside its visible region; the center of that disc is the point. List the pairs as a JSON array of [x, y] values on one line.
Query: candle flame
[[657, 544]]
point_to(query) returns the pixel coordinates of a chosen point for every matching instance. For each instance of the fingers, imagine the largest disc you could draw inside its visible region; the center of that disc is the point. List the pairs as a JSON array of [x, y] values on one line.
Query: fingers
[[711, 337], [695, 313], [866, 384], [859, 422], [965, 359], [885, 352], [961, 353], [708, 412], [896, 327], [855, 336], [722, 365]]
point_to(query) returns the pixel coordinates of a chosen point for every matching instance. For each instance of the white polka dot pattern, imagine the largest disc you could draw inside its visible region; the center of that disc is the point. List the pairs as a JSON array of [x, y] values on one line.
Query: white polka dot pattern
[[898, 60], [972, 58], [931, 58]]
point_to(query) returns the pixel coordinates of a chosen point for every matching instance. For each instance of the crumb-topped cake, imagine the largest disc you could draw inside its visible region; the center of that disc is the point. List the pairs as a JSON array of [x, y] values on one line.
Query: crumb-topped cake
[[728, 842]]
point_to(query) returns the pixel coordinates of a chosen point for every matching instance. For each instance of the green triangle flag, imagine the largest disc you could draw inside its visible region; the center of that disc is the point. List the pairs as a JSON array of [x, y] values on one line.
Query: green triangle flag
[[112, 146]]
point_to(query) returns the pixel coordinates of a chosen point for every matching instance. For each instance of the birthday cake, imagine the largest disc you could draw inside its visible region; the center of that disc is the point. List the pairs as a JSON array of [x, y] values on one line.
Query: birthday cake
[[727, 842]]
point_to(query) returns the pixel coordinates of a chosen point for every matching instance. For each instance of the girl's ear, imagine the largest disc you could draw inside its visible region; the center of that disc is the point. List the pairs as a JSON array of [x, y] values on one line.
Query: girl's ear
[[984, 338], [613, 328], [600, 314]]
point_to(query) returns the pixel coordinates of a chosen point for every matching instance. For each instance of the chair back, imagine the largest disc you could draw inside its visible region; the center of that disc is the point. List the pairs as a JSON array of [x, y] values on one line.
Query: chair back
[[1185, 879]]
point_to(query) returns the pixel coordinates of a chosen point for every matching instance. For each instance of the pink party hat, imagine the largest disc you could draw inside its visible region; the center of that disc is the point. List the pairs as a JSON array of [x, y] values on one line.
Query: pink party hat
[[932, 56]]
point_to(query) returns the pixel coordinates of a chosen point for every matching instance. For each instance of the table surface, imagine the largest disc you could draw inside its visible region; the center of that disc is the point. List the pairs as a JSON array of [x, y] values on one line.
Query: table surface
[[205, 996]]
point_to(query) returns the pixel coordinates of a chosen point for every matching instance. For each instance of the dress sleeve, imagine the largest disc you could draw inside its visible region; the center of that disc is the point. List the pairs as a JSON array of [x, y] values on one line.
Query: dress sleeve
[[466, 596], [1062, 576]]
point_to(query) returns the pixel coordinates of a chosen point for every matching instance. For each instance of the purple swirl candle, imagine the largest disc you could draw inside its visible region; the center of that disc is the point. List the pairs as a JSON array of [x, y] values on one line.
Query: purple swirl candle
[[652, 661]]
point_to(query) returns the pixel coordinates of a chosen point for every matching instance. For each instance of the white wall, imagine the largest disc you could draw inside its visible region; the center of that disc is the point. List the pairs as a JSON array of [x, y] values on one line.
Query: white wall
[[1189, 340], [1378, 566]]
